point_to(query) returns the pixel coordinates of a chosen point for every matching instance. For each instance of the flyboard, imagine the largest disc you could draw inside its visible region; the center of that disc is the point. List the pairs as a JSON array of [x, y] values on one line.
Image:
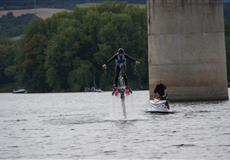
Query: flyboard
[[159, 106]]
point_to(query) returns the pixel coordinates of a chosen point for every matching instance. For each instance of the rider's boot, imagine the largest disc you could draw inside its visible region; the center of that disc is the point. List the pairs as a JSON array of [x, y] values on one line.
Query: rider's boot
[[128, 90], [115, 91]]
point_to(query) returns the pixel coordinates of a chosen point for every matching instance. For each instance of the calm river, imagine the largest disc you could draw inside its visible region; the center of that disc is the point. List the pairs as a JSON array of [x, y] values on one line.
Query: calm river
[[93, 126]]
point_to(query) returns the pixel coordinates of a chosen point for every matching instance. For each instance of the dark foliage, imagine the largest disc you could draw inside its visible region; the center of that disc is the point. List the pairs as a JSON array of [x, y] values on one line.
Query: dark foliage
[[11, 26]]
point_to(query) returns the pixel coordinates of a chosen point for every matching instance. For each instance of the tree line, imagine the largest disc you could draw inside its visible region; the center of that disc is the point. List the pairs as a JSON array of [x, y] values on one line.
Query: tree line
[[65, 52]]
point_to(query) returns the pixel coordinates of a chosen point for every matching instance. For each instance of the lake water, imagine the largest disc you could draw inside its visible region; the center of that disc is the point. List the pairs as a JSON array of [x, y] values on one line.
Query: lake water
[[96, 126]]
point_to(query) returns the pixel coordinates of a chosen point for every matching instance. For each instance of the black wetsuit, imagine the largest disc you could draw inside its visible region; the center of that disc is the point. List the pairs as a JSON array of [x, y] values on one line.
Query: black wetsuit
[[160, 89], [120, 60]]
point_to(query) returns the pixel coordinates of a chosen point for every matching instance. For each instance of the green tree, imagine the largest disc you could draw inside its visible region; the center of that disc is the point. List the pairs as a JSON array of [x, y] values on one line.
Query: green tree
[[32, 57], [7, 61]]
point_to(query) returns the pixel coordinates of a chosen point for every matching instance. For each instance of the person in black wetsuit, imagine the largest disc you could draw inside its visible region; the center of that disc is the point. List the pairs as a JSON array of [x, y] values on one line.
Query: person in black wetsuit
[[120, 61], [160, 91]]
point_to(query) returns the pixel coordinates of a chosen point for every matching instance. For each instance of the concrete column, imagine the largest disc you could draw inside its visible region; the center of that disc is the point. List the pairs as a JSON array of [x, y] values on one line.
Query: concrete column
[[186, 48]]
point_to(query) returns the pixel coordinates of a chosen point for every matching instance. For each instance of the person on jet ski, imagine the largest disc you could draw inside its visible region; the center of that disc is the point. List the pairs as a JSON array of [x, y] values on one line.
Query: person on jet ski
[[120, 60], [160, 91]]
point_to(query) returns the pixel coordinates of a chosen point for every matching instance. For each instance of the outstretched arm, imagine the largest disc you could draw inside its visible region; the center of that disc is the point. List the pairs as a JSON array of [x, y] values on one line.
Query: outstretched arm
[[131, 58], [110, 59]]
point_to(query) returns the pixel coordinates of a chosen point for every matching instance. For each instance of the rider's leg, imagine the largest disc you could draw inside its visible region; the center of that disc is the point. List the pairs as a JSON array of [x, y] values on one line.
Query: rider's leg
[[115, 89], [117, 71], [126, 84], [126, 79], [166, 103], [125, 76]]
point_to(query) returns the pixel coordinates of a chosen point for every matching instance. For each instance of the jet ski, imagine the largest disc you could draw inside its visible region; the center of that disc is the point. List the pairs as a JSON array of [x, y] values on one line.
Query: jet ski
[[159, 106]]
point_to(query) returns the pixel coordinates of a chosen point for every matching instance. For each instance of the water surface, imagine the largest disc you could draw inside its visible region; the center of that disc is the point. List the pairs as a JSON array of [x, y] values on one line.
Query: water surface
[[100, 126]]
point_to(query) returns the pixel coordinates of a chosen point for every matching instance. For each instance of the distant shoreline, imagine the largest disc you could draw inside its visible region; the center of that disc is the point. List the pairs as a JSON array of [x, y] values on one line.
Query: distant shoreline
[[40, 12]]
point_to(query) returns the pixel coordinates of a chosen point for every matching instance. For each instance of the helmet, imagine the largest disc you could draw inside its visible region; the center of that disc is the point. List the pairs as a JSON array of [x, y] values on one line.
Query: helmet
[[121, 51]]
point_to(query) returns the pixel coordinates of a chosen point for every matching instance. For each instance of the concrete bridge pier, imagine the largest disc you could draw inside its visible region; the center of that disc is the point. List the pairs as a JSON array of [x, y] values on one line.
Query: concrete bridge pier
[[187, 48]]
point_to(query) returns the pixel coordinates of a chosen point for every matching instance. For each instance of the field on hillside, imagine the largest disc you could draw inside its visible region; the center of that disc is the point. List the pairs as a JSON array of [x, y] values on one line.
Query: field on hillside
[[48, 12], [85, 5], [40, 12]]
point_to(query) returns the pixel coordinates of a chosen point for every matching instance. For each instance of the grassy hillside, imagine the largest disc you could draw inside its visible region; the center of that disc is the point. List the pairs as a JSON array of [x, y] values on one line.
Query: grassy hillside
[[39, 12], [86, 5]]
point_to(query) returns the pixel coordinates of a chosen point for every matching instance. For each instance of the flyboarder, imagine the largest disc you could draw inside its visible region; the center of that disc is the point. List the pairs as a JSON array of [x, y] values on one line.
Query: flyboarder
[[120, 60]]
